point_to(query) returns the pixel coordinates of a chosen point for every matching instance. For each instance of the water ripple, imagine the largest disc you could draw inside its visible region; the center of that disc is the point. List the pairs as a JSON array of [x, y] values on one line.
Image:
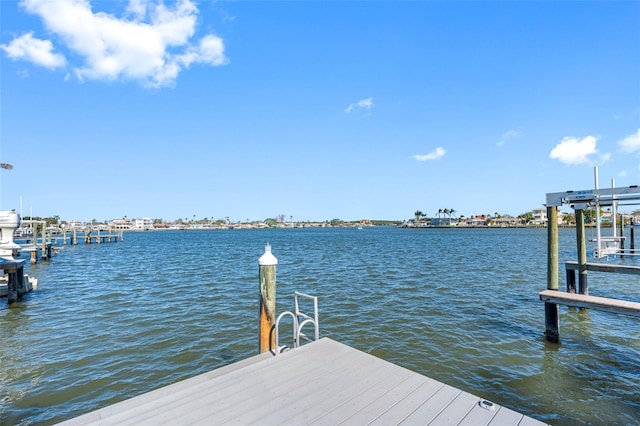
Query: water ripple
[[112, 321]]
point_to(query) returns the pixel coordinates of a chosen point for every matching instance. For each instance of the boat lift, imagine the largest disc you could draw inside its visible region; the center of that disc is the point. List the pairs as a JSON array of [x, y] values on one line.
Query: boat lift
[[609, 245]]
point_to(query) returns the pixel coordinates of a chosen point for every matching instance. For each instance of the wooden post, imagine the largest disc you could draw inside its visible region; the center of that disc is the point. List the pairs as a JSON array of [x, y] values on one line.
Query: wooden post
[[552, 321], [43, 254], [622, 235], [632, 245], [582, 252], [15, 281], [267, 265], [22, 288], [571, 280], [12, 287]]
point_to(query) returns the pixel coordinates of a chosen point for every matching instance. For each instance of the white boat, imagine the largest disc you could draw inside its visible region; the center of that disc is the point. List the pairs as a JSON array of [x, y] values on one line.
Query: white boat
[[9, 222]]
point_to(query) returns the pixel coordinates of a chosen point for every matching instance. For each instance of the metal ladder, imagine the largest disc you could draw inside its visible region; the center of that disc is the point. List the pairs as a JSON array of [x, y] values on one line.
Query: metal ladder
[[300, 319]]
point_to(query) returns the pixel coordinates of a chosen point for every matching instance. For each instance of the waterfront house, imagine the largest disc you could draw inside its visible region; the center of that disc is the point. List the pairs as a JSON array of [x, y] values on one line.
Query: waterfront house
[[143, 223], [119, 224], [539, 216]]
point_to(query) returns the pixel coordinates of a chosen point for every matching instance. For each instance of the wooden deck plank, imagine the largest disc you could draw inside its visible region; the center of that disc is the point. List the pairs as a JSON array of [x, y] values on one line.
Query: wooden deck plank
[[480, 414], [605, 267], [506, 417], [593, 302], [431, 407], [528, 421], [313, 402], [224, 393], [360, 398], [391, 397], [404, 407], [229, 393], [172, 390], [178, 396], [457, 410], [320, 383], [283, 392]]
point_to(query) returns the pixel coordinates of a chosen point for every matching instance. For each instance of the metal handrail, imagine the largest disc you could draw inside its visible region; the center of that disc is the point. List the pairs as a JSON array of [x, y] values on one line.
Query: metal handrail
[[307, 319], [279, 349], [297, 325]]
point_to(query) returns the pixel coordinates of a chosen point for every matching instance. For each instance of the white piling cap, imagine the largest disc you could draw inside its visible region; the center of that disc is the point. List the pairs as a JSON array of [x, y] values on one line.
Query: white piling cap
[[267, 259]]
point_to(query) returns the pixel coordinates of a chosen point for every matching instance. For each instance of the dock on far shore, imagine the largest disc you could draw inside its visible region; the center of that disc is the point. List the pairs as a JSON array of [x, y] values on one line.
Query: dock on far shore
[[322, 383]]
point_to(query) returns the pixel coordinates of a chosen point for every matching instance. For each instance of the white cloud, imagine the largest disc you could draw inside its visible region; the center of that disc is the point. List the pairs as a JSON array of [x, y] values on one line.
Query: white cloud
[[364, 103], [153, 44], [630, 143], [507, 136], [437, 154], [138, 8], [605, 157], [31, 49], [572, 150]]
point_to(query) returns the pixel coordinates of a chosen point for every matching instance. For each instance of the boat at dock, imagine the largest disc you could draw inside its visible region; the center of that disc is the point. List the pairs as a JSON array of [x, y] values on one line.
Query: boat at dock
[[9, 222]]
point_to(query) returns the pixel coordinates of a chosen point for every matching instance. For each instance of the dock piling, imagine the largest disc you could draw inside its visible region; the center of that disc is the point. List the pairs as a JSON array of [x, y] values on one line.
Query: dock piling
[[552, 320], [16, 285], [582, 252], [267, 273], [607, 246], [622, 236]]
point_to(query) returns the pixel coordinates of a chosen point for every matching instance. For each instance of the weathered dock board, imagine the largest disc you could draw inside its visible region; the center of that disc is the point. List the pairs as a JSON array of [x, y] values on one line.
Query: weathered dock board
[[583, 301], [321, 383], [604, 267]]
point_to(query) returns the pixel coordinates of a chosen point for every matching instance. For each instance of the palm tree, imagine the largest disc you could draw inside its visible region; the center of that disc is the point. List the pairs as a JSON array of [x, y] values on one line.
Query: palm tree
[[452, 212], [446, 212], [418, 214], [439, 212]]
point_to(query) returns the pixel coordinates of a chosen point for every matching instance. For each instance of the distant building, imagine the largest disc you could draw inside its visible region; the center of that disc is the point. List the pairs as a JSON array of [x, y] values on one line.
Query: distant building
[[144, 223], [119, 224], [539, 216], [475, 221], [443, 221], [506, 221]]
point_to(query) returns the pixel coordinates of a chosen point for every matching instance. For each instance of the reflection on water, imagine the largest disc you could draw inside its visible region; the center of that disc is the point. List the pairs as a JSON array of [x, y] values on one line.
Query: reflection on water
[[112, 321]]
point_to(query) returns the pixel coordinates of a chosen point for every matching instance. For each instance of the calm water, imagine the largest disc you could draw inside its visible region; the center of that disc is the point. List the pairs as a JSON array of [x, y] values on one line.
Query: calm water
[[112, 321]]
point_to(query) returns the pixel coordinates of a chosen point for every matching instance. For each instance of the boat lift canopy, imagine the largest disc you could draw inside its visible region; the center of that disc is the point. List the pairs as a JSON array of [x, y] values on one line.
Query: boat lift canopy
[[597, 198], [592, 197]]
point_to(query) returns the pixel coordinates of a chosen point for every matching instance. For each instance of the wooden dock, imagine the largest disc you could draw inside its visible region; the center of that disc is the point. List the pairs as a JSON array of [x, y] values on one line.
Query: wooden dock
[[14, 283], [577, 300], [320, 383], [582, 300], [604, 267]]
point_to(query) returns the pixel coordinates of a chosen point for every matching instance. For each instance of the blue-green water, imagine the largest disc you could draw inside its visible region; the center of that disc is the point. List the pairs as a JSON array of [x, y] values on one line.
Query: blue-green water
[[111, 321]]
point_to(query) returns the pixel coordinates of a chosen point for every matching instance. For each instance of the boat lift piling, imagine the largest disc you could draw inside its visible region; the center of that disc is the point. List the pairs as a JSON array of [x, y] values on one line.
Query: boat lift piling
[[552, 321], [605, 246], [267, 275], [581, 241]]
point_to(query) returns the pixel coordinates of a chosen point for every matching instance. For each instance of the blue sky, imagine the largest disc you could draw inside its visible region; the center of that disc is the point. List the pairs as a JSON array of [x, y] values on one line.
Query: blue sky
[[315, 110]]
